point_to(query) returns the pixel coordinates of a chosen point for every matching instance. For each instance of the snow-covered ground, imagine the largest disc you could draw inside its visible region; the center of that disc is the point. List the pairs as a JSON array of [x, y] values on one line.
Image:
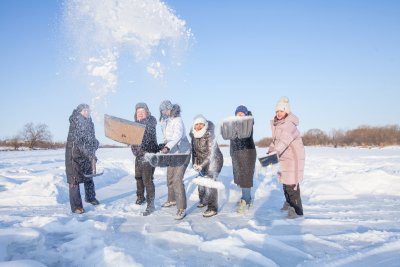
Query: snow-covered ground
[[350, 197]]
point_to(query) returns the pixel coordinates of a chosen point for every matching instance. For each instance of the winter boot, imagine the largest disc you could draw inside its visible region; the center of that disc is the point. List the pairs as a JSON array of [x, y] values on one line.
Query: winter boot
[[149, 210], [243, 206], [168, 204], [180, 214], [209, 213], [140, 200], [292, 213], [285, 206], [79, 211], [201, 205]]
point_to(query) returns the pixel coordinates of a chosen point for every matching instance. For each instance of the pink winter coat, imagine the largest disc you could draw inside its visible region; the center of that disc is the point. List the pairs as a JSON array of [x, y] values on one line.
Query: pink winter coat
[[287, 142]]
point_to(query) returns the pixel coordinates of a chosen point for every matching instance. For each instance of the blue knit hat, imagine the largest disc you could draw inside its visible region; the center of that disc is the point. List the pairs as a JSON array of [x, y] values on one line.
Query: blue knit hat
[[243, 109]]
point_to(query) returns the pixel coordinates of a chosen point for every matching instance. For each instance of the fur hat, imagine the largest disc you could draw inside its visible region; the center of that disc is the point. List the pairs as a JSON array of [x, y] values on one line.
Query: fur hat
[[81, 107], [165, 105], [143, 106], [283, 105], [199, 119], [243, 109]]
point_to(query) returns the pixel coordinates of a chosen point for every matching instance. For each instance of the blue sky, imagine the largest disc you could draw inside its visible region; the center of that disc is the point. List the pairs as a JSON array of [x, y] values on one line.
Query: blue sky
[[337, 61]]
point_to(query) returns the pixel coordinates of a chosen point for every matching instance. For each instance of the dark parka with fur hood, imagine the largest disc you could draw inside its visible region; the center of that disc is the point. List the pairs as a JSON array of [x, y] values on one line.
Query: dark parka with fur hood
[[81, 147], [206, 152]]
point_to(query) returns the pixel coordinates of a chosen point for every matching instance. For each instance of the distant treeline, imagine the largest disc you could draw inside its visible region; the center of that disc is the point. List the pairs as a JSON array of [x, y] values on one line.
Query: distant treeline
[[39, 137], [363, 136]]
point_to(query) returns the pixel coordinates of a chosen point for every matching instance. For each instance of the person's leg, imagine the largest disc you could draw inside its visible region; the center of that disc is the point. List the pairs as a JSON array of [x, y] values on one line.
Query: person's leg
[[294, 198], [246, 194], [148, 172], [75, 199], [140, 199], [90, 193], [171, 193], [202, 194], [179, 187], [212, 199]]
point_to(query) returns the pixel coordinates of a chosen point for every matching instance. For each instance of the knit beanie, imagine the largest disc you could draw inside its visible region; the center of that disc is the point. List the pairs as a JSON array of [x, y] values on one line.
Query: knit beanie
[[243, 109], [283, 105]]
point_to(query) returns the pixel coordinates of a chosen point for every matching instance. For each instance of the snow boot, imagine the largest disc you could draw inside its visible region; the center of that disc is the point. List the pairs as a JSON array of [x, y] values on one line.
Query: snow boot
[[292, 213], [285, 206], [209, 213], [168, 204], [201, 205], [243, 206], [93, 201], [79, 211], [149, 210], [140, 200], [180, 214]]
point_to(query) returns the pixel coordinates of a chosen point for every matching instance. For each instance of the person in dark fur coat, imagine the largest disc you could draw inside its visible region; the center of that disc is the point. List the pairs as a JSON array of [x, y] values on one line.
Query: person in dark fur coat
[[143, 170], [80, 154], [243, 153], [207, 159]]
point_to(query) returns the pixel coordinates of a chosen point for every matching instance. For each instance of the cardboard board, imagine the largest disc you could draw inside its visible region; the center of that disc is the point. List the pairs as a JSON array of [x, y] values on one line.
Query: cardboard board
[[123, 131]]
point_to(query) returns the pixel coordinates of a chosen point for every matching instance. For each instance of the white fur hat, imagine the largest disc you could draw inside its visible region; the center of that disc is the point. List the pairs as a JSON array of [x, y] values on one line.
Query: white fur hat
[[283, 105], [199, 119]]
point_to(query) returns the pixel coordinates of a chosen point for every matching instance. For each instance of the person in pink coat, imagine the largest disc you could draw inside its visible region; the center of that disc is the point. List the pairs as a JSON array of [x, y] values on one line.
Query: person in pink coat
[[287, 143]]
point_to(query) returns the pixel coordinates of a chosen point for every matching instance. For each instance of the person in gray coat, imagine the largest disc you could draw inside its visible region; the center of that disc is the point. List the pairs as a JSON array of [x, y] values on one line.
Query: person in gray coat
[[143, 170], [175, 142], [207, 159], [243, 153], [80, 154]]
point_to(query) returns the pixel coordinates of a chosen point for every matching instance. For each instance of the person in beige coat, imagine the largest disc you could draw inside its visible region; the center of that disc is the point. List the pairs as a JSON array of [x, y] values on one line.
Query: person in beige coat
[[288, 144]]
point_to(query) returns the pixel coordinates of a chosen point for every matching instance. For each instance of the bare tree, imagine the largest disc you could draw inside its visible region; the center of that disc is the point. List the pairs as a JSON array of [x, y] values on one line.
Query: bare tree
[[15, 142], [36, 134]]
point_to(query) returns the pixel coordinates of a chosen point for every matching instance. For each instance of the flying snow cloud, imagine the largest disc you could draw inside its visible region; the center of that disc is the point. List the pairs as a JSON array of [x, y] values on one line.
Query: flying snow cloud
[[101, 29]]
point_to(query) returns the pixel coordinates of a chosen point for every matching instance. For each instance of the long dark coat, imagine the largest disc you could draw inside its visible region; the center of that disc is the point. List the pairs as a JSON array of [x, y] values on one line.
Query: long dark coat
[[80, 148], [243, 153], [206, 152]]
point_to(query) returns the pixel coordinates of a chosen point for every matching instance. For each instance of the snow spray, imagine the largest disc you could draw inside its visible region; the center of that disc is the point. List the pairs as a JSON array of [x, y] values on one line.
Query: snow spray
[[100, 30]]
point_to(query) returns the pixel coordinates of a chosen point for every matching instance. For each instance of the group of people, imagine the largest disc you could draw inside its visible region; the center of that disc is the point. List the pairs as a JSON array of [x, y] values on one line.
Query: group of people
[[202, 150]]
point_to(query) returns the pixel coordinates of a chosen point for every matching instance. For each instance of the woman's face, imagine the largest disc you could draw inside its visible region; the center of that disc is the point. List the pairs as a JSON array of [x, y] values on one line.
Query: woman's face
[[166, 112], [141, 114], [240, 114], [280, 114], [85, 112], [199, 126]]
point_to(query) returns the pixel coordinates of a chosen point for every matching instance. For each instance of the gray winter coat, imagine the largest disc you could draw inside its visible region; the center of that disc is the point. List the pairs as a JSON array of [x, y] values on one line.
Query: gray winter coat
[[80, 148], [206, 152]]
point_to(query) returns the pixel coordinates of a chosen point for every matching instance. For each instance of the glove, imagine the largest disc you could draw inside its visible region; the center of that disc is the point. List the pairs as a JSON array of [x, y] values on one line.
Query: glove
[[197, 167], [165, 150], [161, 146]]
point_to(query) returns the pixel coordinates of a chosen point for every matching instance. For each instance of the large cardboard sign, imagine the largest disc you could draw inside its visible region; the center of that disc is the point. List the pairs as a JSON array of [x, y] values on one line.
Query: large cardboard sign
[[123, 131]]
